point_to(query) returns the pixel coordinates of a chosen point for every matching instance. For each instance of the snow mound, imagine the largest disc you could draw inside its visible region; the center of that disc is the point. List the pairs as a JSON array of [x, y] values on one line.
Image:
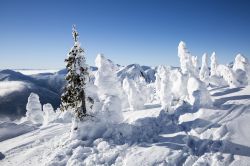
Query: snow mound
[[198, 94], [49, 114]]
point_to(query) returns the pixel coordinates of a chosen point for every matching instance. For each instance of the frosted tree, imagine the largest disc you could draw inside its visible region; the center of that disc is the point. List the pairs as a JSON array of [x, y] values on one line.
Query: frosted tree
[[49, 113], [214, 64], [144, 88], [242, 69], [109, 89], [184, 57], [195, 64], [198, 93], [204, 72], [135, 98], [34, 109], [188, 63], [228, 75], [74, 97], [163, 86], [178, 82], [242, 63]]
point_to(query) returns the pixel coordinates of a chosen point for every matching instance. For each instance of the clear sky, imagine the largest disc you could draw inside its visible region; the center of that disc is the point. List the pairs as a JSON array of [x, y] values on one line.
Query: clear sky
[[37, 33]]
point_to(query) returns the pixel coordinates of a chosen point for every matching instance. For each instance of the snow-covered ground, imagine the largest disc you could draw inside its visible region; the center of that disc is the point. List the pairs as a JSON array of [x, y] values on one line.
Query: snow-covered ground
[[214, 136], [136, 115]]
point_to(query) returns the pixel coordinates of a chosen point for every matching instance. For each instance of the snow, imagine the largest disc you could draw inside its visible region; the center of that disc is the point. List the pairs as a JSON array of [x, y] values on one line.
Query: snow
[[34, 109], [216, 134], [105, 78], [49, 114], [214, 64], [109, 90], [198, 93], [187, 117], [204, 72], [242, 69], [10, 129], [188, 63], [136, 101]]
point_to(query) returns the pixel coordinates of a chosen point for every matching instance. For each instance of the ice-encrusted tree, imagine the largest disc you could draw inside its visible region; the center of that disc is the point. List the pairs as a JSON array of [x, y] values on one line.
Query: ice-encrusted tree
[[213, 65], [74, 97], [195, 64], [135, 98], [109, 90], [49, 113], [198, 95], [34, 109], [242, 69], [241, 62], [163, 86], [188, 63], [204, 72], [228, 75]]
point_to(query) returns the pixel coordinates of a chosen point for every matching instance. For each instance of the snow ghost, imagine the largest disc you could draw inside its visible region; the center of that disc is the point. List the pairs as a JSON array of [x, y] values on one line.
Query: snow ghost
[[198, 93], [204, 72], [34, 109], [163, 86], [228, 75], [188, 63], [179, 84], [241, 62], [242, 69], [109, 89], [112, 110], [105, 78], [135, 99], [49, 113], [213, 65]]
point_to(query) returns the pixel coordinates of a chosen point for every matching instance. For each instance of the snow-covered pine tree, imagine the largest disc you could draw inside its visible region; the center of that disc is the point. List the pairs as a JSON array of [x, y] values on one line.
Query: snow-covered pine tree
[[214, 64], [204, 72], [74, 97]]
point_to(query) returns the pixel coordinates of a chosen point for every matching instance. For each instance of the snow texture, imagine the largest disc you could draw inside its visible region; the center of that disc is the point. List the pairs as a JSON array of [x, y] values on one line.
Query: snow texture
[[136, 101], [204, 72], [213, 65], [186, 117], [49, 114], [188, 63]]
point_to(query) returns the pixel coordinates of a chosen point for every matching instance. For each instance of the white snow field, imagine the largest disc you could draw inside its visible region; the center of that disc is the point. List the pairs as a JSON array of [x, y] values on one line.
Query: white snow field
[[214, 136]]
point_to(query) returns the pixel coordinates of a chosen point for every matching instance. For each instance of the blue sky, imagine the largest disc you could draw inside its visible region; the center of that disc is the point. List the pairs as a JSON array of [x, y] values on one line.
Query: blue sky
[[37, 34]]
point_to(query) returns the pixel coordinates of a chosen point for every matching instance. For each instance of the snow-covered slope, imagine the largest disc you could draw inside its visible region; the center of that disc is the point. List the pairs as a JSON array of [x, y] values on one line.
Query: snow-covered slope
[[135, 71], [214, 136]]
